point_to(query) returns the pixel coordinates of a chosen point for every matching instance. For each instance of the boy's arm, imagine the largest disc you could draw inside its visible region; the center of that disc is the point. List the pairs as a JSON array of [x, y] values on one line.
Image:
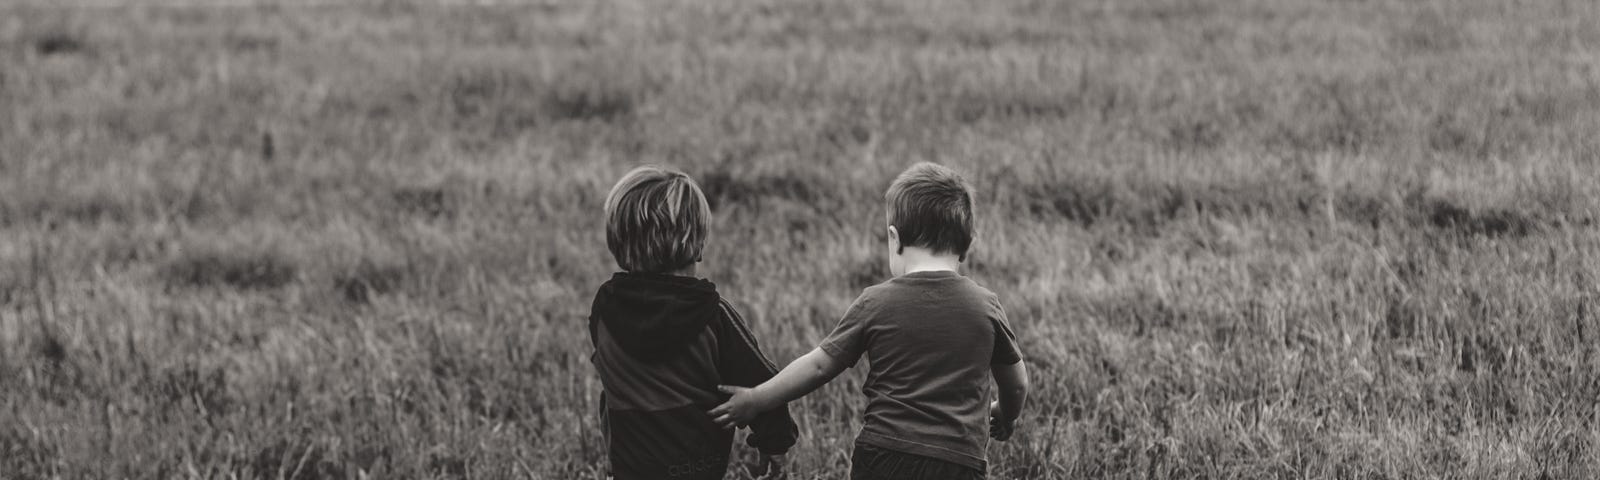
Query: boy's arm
[[1013, 382], [802, 376], [839, 351], [740, 362], [1010, 374]]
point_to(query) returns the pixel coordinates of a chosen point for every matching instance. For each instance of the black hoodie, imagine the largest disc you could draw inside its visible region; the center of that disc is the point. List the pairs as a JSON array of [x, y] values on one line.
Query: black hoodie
[[662, 345]]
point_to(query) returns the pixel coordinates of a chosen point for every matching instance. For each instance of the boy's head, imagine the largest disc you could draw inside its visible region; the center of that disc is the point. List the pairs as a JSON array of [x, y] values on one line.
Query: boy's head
[[656, 220], [930, 206]]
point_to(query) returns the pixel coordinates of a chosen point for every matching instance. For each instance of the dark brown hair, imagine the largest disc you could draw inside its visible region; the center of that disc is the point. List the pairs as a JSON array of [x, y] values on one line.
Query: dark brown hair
[[931, 206]]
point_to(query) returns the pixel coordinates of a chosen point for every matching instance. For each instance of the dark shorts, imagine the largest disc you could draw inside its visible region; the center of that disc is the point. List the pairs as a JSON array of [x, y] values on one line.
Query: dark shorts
[[873, 463]]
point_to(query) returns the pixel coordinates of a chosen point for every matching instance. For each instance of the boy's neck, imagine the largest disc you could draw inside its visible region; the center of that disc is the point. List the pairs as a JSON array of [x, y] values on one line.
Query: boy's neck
[[689, 271], [918, 259]]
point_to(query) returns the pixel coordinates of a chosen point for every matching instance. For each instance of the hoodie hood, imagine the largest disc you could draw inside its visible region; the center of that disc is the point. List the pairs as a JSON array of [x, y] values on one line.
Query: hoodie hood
[[653, 315]]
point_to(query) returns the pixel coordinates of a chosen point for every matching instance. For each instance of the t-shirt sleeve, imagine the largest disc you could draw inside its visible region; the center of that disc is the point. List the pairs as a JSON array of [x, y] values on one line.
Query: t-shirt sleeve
[[849, 338], [1005, 342]]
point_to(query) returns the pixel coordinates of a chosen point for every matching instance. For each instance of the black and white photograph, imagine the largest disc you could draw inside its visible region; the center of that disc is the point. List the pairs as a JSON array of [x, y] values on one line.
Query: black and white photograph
[[799, 239]]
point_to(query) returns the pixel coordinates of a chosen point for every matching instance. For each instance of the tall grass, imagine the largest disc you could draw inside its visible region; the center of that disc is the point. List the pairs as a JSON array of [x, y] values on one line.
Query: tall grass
[[1237, 239]]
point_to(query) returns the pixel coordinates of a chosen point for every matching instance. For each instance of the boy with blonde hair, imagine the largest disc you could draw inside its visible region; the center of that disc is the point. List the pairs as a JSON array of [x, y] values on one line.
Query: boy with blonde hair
[[664, 340], [933, 339]]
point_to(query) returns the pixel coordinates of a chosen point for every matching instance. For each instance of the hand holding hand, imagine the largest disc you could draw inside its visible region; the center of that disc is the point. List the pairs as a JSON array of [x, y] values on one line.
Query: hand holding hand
[[739, 410]]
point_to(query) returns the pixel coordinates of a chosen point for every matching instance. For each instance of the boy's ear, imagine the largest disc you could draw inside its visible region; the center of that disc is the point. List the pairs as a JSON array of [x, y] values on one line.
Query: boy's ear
[[894, 240]]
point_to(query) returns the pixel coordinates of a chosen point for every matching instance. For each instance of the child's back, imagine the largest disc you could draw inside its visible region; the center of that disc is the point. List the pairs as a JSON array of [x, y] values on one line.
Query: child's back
[[933, 340], [662, 345], [930, 338], [664, 340]]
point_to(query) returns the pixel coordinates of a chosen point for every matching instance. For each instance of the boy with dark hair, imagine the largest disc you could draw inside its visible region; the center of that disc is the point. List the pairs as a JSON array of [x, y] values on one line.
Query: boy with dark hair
[[933, 339], [664, 340]]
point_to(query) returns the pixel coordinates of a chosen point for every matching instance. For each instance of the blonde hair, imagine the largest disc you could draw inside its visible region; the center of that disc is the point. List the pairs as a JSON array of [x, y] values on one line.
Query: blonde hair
[[657, 220]]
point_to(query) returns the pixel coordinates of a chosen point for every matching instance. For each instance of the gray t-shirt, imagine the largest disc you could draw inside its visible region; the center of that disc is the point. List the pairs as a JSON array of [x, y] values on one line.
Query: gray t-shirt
[[930, 339]]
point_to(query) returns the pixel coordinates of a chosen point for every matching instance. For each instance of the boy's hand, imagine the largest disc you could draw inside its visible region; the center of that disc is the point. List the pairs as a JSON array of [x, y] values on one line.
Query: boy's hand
[[770, 468], [740, 409], [1000, 428]]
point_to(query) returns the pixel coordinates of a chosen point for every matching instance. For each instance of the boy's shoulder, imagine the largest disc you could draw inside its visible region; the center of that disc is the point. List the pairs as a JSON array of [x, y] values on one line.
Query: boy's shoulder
[[903, 289]]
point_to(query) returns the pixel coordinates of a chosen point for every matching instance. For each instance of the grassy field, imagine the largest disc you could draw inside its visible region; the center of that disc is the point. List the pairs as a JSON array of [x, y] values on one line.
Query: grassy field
[[1237, 239]]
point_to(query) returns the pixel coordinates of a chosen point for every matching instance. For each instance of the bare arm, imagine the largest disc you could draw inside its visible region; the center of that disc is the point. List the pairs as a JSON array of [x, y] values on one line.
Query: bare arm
[[1013, 382], [801, 377]]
